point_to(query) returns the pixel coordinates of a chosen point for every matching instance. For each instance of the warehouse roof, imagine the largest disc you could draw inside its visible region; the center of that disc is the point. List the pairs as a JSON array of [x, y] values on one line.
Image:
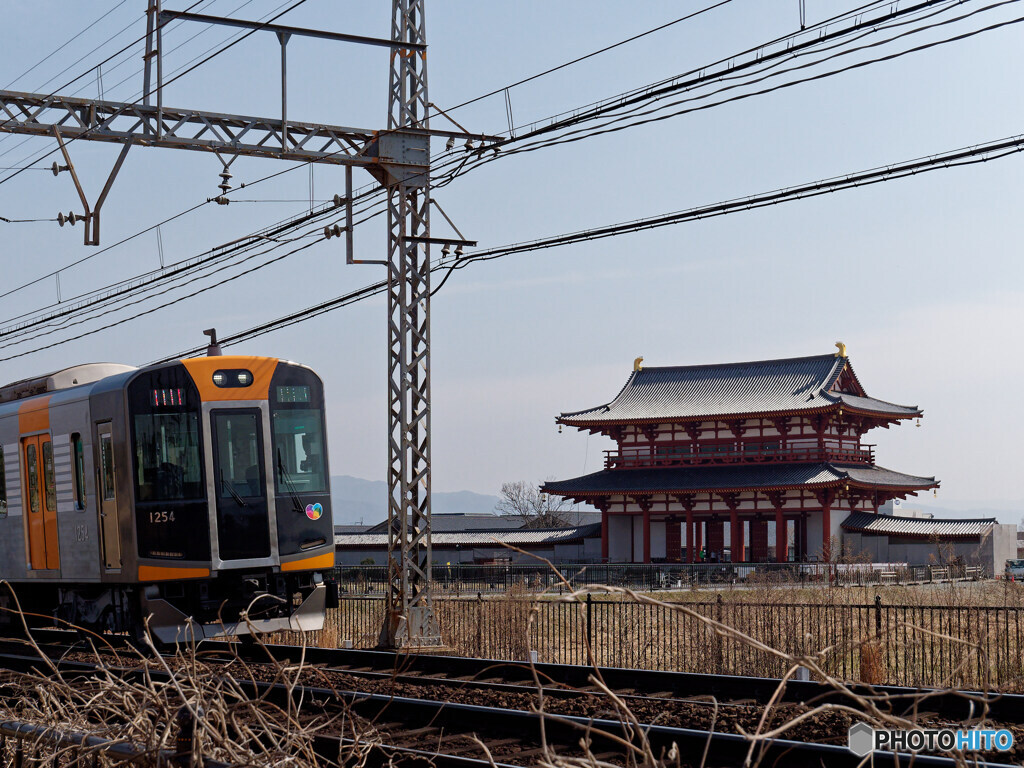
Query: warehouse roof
[[462, 521], [735, 478], [890, 525], [732, 389], [479, 538]]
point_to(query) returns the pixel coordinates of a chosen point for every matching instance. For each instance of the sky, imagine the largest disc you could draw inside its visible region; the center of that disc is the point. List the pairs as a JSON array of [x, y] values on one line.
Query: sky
[[921, 277]]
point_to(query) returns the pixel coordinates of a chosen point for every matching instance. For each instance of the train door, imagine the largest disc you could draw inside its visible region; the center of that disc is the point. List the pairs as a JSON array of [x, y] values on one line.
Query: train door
[[240, 480], [107, 493], [41, 502]]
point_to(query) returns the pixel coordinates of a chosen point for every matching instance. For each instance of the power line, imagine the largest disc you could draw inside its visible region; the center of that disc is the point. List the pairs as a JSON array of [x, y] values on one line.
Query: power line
[[611, 127], [65, 44], [578, 59], [373, 192], [157, 308], [173, 79], [965, 156]]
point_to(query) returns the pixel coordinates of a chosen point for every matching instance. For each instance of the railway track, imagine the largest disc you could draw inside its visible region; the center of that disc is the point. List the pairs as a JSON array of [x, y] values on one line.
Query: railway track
[[417, 721], [566, 679]]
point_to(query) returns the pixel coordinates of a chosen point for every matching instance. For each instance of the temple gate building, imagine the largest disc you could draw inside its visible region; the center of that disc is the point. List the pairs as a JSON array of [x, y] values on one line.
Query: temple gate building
[[770, 450]]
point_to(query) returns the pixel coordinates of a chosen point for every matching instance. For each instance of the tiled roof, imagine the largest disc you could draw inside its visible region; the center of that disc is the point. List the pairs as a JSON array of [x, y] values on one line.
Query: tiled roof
[[766, 386], [868, 522], [492, 538], [756, 476]]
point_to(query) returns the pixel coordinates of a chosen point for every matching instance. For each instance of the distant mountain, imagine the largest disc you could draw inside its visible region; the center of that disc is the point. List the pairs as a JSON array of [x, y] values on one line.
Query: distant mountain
[[355, 499]]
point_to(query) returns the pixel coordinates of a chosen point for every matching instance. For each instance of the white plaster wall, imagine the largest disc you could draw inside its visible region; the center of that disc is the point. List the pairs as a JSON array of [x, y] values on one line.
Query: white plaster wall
[[814, 534], [658, 548], [620, 536]]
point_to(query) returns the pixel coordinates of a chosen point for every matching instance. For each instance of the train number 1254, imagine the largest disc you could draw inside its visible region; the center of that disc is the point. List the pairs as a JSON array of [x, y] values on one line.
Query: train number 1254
[[161, 517]]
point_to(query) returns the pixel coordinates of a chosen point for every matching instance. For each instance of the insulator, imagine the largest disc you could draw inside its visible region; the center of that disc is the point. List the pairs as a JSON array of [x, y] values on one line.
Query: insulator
[[225, 183], [469, 144], [446, 250], [58, 168], [451, 144], [60, 218], [334, 231], [221, 200], [72, 219], [339, 200], [458, 250]]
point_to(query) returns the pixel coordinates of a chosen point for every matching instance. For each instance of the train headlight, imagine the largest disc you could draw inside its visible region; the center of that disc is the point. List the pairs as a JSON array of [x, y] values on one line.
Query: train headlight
[[233, 378]]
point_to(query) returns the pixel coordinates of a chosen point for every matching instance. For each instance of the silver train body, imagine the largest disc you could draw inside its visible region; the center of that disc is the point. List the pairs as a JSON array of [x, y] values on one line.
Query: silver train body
[[192, 496]]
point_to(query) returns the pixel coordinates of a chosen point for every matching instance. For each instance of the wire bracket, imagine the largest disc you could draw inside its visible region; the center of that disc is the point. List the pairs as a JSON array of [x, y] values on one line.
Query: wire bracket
[[91, 218]]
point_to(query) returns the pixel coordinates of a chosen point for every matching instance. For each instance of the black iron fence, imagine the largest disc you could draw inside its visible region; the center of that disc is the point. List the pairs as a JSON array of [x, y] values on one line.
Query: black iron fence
[[469, 579], [933, 646]]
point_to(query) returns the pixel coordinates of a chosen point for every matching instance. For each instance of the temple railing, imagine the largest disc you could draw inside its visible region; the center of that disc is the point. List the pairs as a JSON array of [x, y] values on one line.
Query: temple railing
[[620, 460]]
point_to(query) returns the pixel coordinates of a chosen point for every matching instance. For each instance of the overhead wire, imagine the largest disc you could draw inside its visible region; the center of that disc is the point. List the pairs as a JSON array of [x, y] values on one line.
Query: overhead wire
[[960, 157], [168, 82], [578, 59], [611, 127], [65, 44], [777, 40], [480, 255]]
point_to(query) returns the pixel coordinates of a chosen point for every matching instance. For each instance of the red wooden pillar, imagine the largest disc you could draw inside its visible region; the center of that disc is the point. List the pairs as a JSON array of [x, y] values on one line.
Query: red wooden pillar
[[690, 532], [735, 527], [758, 541], [781, 537], [826, 499], [698, 535], [673, 540], [716, 539], [604, 535], [647, 535], [826, 525], [776, 498], [686, 502]]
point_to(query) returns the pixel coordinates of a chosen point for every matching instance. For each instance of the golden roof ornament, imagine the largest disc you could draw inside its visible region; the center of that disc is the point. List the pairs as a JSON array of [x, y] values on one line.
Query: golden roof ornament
[[637, 364], [842, 349]]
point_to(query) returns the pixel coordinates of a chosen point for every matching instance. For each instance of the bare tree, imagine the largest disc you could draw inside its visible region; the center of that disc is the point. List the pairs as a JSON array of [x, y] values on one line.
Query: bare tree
[[535, 509]]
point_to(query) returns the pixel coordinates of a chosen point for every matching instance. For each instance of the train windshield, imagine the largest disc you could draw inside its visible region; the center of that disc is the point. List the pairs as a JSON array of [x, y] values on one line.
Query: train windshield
[[297, 427], [167, 457], [299, 450], [166, 437]]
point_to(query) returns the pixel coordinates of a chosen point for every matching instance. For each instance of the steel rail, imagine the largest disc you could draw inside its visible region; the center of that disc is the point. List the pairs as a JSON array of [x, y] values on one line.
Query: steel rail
[[901, 700], [425, 718]]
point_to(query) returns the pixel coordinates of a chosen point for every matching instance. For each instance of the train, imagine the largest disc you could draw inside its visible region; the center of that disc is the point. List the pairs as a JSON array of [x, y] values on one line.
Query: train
[[190, 497]]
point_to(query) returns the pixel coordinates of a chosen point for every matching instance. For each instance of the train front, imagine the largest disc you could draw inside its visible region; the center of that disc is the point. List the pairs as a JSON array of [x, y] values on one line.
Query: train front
[[231, 493]]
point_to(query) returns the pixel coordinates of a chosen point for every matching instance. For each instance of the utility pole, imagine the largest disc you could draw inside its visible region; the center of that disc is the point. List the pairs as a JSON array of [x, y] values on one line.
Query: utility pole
[[410, 619], [398, 157]]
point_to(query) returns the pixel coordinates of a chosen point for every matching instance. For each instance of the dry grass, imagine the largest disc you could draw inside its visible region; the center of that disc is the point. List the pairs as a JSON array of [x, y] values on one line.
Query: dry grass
[[234, 728], [213, 701]]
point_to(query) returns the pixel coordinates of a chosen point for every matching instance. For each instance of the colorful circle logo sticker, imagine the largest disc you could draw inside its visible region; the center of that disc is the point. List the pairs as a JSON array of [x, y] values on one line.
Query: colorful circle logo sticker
[[314, 511]]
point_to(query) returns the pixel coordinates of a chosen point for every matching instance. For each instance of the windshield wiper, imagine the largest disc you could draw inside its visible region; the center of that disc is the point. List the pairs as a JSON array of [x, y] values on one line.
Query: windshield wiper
[[234, 494], [296, 502]]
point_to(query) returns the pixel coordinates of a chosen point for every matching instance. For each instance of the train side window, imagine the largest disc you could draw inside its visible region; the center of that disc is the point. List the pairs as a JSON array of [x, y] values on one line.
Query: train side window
[[3, 485], [32, 468], [78, 459], [107, 466], [49, 479]]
